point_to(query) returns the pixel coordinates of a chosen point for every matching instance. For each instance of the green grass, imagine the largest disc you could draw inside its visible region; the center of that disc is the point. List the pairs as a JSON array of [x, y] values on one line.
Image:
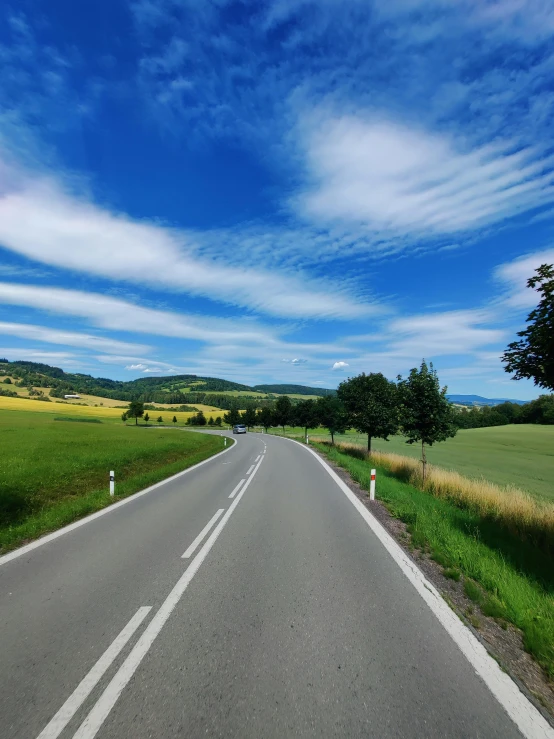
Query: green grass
[[55, 471], [520, 455], [512, 580]]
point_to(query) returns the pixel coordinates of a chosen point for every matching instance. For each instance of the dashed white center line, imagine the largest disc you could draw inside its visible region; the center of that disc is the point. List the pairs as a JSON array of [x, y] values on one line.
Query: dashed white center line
[[89, 682], [235, 491], [250, 470], [92, 723], [257, 458], [190, 551]]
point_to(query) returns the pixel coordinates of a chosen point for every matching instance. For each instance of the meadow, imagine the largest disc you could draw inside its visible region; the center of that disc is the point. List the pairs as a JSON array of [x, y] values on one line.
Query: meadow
[[517, 455], [54, 467]]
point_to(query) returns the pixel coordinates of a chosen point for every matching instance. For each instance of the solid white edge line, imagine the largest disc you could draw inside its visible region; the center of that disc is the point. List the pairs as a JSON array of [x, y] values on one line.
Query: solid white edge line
[[235, 491], [55, 727], [108, 699], [519, 708], [108, 509], [190, 551], [250, 470]]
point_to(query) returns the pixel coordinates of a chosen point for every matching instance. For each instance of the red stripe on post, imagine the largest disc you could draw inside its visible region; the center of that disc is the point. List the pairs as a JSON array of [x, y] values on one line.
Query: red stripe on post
[[373, 477]]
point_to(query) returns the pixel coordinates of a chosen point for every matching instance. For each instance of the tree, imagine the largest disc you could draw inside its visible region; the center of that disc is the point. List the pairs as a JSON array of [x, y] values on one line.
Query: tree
[[146, 418], [372, 405], [232, 417], [305, 414], [201, 419], [136, 410], [265, 417], [7, 381], [218, 421], [425, 412], [540, 410], [210, 421], [332, 415], [124, 416], [283, 411], [160, 419], [532, 357], [174, 419], [249, 416]]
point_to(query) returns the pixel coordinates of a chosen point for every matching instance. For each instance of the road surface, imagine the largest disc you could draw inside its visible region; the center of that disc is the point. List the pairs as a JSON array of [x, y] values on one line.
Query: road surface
[[288, 617]]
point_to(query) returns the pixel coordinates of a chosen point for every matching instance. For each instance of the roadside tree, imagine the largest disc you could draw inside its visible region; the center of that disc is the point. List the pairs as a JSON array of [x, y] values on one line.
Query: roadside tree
[[304, 414], [372, 405], [532, 357], [249, 416], [283, 411], [124, 416], [160, 419], [136, 410], [146, 418], [265, 418], [174, 419], [218, 421], [232, 417], [427, 416], [332, 415]]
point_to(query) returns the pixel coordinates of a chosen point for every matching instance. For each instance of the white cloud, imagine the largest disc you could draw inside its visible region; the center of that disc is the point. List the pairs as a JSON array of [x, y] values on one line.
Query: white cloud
[[41, 221], [138, 366], [441, 334], [68, 338], [295, 361], [340, 365], [515, 274], [397, 181]]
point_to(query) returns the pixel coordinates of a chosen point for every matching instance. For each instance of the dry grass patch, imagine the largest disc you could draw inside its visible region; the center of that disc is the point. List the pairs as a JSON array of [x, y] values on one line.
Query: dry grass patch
[[514, 509]]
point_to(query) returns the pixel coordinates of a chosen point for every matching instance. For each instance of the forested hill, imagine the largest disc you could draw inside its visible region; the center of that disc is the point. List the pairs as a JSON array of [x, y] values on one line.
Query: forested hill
[[293, 390], [177, 389]]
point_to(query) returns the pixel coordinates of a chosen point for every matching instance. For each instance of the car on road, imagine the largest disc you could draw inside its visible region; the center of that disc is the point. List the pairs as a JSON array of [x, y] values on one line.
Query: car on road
[[239, 428]]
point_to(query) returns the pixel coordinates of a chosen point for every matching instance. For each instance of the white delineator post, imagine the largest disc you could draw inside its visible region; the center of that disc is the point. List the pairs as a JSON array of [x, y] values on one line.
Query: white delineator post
[[372, 486], [112, 482], [224, 441], [307, 439]]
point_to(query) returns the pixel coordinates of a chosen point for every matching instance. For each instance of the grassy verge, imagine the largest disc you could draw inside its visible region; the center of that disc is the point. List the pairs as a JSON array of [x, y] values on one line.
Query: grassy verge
[[54, 472], [511, 580]]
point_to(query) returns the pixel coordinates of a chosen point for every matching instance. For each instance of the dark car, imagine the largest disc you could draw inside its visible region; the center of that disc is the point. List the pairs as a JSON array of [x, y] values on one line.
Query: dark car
[[240, 428]]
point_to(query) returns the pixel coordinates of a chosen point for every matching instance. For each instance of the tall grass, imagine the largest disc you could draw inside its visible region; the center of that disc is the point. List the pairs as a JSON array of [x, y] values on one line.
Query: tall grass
[[510, 579], [509, 507]]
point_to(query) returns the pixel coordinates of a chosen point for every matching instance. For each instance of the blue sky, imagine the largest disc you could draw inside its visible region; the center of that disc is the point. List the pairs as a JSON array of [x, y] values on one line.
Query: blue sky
[[286, 191]]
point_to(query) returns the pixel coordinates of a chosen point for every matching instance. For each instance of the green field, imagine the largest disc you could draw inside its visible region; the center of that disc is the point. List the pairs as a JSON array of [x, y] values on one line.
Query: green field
[[520, 455], [54, 471]]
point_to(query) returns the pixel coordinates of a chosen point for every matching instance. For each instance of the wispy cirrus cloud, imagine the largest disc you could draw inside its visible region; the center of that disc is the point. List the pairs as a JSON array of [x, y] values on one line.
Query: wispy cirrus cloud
[[41, 221], [395, 181], [69, 338], [513, 276]]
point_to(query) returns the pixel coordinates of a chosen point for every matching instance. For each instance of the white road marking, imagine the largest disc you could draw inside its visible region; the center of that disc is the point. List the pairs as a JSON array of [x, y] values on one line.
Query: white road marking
[[190, 551], [81, 522], [235, 491], [523, 713], [250, 470], [89, 682], [92, 723], [257, 458]]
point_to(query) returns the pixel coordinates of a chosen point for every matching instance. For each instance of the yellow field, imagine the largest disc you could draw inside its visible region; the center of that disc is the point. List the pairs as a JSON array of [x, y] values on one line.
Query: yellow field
[[104, 412]]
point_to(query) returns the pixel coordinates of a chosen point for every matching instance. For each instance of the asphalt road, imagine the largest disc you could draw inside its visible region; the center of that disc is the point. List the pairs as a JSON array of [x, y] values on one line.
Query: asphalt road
[[290, 618]]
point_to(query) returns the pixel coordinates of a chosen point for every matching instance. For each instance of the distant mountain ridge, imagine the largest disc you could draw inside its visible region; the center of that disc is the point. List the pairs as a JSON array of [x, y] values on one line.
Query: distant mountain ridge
[[479, 400]]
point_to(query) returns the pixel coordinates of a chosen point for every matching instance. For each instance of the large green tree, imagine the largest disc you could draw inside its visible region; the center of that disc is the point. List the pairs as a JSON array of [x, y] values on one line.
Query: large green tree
[[426, 414], [283, 411], [532, 357], [332, 415], [304, 414], [371, 403], [249, 416], [266, 417], [232, 417], [136, 410]]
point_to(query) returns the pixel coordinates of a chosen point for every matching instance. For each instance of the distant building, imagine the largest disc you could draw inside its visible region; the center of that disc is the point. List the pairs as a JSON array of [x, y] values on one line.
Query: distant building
[[72, 397]]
